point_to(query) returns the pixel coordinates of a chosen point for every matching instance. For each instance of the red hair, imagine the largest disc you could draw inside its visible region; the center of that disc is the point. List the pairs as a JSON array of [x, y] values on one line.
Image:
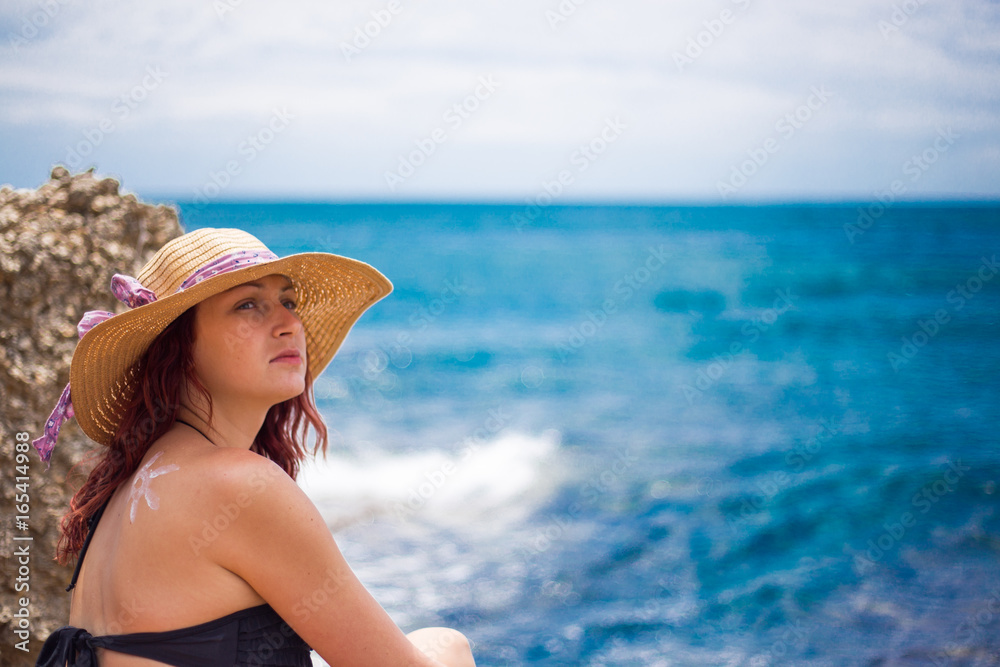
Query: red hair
[[158, 377]]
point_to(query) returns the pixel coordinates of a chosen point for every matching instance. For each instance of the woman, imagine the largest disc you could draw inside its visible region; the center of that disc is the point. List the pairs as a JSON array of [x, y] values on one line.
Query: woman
[[194, 545]]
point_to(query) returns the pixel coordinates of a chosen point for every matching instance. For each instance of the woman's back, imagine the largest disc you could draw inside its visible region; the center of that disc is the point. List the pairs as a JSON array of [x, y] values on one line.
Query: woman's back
[[146, 568]]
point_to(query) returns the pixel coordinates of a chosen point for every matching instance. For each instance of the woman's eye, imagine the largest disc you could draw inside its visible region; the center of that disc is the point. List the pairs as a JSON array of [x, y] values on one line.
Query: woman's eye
[[290, 305]]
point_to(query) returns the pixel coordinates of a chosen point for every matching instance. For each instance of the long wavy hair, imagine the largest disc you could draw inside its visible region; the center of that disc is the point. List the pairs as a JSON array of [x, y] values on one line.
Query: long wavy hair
[[158, 378]]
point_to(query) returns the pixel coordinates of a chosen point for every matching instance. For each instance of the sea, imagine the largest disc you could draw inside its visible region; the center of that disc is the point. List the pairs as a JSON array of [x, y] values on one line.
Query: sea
[[667, 435]]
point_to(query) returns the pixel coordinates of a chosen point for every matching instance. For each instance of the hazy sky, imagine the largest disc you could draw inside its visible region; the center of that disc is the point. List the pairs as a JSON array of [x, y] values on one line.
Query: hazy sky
[[581, 99]]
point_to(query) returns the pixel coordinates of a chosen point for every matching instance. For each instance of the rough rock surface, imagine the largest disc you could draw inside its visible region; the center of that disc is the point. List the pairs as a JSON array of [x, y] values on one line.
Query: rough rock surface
[[59, 247]]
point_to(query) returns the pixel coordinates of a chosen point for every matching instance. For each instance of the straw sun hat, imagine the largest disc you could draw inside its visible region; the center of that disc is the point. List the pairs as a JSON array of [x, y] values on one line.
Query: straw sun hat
[[333, 292]]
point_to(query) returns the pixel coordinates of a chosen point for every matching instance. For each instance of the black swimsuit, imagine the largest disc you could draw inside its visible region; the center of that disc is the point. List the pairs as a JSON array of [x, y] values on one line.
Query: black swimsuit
[[255, 637]]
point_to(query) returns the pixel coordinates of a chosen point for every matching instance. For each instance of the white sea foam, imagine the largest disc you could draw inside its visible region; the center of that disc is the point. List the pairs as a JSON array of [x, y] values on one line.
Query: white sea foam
[[493, 483]]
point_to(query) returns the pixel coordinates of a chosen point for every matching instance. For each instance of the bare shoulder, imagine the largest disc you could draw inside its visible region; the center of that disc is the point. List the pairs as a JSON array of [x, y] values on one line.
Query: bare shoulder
[[238, 493], [237, 474], [249, 499]]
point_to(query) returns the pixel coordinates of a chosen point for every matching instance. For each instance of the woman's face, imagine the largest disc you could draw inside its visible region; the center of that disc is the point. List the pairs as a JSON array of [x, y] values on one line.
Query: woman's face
[[239, 336]]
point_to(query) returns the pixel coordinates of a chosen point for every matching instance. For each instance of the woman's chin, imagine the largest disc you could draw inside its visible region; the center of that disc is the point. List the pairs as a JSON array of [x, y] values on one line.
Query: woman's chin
[[294, 389]]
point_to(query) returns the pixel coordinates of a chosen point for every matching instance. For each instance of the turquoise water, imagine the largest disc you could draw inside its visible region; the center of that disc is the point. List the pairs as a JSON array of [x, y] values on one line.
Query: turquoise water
[[668, 436]]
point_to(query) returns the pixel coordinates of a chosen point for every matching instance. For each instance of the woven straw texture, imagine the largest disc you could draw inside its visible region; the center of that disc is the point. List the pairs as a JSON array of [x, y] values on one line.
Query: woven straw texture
[[333, 292]]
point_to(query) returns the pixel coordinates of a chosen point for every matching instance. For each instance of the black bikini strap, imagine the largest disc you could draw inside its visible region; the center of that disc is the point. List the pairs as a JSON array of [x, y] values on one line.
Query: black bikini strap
[[195, 428], [91, 526]]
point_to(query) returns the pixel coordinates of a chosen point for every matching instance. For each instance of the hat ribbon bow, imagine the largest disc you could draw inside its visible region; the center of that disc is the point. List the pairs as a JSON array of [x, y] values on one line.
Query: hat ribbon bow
[[129, 291]]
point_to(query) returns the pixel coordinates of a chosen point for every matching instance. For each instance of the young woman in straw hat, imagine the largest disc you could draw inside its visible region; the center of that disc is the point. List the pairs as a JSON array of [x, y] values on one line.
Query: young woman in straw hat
[[194, 545]]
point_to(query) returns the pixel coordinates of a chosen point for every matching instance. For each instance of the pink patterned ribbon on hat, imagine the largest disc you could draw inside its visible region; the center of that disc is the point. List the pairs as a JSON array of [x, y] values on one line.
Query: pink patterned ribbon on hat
[[62, 412], [236, 260], [130, 291], [64, 407]]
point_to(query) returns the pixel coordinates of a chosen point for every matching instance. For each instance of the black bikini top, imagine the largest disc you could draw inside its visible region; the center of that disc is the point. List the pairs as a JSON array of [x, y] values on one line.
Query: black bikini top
[[256, 636]]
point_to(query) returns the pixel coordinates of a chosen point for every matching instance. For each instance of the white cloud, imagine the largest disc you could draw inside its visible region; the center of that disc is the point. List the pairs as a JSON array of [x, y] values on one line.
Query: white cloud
[[226, 74]]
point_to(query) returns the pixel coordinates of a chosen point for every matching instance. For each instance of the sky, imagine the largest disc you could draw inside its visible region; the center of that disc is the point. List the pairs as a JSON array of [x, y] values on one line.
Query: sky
[[551, 101]]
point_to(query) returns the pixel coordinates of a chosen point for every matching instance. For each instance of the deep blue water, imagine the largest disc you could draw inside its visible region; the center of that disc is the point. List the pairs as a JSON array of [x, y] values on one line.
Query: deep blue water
[[668, 436]]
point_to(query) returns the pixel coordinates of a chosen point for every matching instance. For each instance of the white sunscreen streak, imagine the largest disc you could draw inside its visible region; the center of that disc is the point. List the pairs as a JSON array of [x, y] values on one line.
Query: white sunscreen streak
[[141, 485]]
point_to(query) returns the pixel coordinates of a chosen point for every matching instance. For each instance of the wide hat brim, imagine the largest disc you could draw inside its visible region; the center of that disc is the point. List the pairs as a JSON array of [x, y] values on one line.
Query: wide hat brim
[[332, 293]]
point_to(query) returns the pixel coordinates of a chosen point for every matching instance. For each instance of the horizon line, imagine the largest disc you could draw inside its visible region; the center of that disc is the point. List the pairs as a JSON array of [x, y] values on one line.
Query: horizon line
[[189, 202]]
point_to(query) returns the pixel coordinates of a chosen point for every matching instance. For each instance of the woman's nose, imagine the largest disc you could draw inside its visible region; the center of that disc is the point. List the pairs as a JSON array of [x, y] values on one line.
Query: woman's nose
[[285, 318]]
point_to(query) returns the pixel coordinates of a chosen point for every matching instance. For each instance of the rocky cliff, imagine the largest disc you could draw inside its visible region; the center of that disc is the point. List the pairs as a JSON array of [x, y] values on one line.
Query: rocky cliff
[[59, 247]]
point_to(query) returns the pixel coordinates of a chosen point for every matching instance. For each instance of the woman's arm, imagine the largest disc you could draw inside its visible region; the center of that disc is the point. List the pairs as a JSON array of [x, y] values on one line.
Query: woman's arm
[[281, 546]]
